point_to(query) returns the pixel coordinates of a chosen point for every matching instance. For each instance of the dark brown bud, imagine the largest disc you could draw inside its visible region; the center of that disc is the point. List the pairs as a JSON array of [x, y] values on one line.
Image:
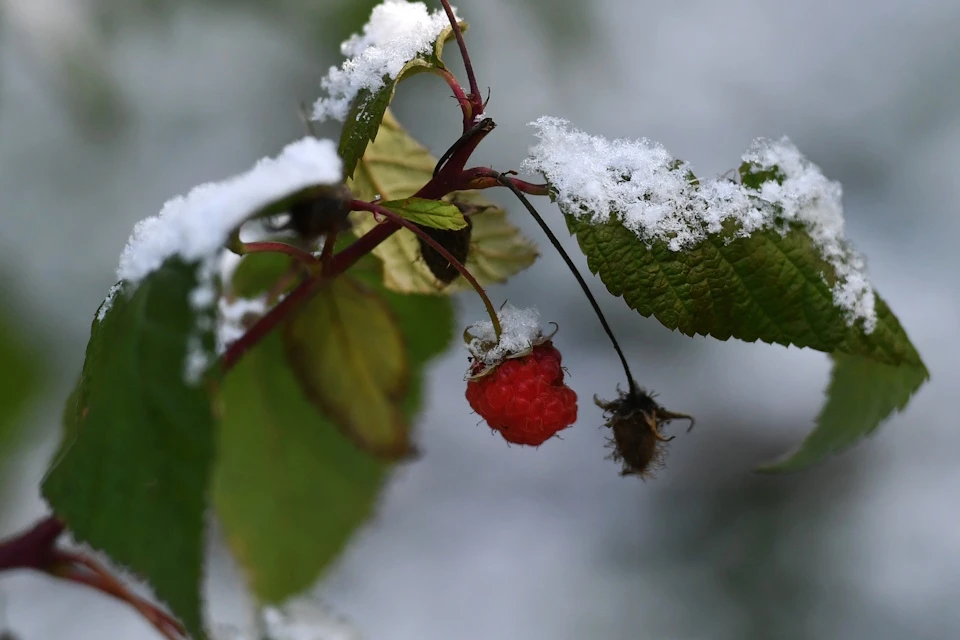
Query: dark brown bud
[[456, 242], [636, 421], [323, 211]]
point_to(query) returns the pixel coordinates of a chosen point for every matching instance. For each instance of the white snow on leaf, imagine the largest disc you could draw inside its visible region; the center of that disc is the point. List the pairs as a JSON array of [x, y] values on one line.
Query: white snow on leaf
[[196, 226], [232, 316], [108, 301], [520, 331], [398, 31], [640, 184]]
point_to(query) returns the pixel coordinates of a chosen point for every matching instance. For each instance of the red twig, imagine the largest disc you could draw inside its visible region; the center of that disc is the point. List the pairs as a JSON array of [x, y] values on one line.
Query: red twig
[[297, 253], [466, 106], [359, 205], [485, 178], [475, 97]]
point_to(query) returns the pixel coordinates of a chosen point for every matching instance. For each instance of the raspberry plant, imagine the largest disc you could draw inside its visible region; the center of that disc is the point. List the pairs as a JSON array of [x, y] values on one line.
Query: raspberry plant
[[280, 391]]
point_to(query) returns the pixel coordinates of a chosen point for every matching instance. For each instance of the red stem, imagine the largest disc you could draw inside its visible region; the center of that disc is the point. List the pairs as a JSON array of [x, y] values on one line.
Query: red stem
[[475, 97], [359, 205], [448, 179], [297, 253], [485, 178], [466, 106], [32, 549]]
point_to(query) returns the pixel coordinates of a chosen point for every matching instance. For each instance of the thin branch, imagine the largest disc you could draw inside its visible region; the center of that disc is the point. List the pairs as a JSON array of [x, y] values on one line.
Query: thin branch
[[508, 183], [471, 78], [466, 106], [304, 257], [359, 205]]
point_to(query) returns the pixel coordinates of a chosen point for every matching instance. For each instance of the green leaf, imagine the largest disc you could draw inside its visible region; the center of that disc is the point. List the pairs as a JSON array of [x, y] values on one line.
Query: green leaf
[[369, 107], [435, 214], [349, 355], [132, 477], [862, 394], [395, 166], [290, 488]]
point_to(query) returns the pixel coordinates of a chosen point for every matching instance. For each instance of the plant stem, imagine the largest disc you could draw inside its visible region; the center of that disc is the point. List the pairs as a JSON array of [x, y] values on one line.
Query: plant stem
[[485, 178], [508, 183], [466, 107], [471, 78], [359, 205], [268, 321], [304, 257]]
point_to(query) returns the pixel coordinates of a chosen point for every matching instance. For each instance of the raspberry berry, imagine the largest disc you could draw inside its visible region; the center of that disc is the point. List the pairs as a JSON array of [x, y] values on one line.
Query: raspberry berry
[[525, 398]]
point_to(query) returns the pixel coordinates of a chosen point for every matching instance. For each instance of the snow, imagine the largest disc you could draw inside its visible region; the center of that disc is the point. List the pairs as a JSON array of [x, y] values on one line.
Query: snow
[[303, 618], [520, 331], [230, 325], [397, 32], [196, 226], [108, 301], [639, 183]]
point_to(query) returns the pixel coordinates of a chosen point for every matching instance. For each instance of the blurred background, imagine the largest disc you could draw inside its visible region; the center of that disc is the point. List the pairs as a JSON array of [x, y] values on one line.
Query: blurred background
[[110, 107]]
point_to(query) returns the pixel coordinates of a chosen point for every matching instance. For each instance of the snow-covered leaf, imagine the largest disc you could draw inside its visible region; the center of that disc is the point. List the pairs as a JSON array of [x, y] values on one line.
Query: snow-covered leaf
[[395, 166], [762, 257], [400, 40], [131, 476]]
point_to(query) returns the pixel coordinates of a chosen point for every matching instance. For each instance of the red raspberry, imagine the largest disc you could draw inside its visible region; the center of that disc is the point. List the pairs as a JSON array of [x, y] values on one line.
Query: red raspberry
[[525, 398]]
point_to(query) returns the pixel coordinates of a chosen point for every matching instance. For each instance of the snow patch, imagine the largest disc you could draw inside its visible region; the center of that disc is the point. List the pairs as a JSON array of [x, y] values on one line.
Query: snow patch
[[230, 325], [196, 226], [397, 32], [653, 194], [520, 331], [108, 301]]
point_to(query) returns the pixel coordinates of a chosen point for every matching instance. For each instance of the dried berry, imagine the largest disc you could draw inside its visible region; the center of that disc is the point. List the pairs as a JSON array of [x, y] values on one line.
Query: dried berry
[[636, 420], [456, 242]]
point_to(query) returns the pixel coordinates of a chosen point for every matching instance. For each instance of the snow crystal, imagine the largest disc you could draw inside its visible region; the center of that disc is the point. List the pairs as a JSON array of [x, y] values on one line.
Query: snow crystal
[[108, 301], [197, 225], [520, 330], [654, 195], [232, 314], [300, 619], [398, 31]]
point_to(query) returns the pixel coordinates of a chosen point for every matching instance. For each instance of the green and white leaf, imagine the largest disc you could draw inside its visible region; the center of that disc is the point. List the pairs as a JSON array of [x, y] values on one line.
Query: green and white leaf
[[131, 476], [762, 258]]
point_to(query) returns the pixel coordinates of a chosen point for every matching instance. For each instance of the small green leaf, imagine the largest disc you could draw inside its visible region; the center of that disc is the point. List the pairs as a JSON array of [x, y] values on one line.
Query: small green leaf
[[132, 477], [369, 107], [435, 214], [289, 488], [395, 166], [349, 355], [862, 394]]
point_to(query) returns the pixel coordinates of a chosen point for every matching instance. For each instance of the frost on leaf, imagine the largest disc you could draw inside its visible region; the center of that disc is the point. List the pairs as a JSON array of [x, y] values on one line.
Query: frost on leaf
[[398, 32], [639, 184]]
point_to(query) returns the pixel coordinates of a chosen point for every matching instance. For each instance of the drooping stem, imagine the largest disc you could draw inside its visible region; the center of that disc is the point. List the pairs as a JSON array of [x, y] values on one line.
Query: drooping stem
[[304, 257], [359, 205], [508, 183], [471, 78]]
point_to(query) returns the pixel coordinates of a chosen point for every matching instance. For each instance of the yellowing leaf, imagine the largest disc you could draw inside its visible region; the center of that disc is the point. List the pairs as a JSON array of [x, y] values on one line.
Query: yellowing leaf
[[348, 353], [395, 166]]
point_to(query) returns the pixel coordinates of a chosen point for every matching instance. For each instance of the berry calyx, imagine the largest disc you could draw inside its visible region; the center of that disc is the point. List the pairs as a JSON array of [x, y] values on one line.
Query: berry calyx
[[524, 398]]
